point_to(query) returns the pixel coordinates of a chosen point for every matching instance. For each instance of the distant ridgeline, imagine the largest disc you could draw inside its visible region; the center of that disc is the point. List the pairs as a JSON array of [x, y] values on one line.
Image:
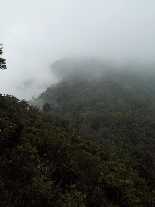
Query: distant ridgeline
[[101, 100], [90, 85], [95, 68]]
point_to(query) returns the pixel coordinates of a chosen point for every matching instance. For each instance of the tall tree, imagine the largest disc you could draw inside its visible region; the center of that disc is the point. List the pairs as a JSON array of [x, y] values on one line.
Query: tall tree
[[2, 60]]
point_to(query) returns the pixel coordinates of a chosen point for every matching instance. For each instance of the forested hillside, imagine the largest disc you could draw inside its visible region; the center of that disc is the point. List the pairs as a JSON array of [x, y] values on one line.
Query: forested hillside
[[44, 163], [104, 100], [77, 103], [90, 145], [113, 106]]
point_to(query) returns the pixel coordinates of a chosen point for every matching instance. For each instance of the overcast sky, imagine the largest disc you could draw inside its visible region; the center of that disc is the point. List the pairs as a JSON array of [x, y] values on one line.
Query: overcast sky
[[35, 33]]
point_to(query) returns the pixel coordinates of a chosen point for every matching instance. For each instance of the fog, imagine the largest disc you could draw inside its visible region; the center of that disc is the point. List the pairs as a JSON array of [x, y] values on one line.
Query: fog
[[36, 33]]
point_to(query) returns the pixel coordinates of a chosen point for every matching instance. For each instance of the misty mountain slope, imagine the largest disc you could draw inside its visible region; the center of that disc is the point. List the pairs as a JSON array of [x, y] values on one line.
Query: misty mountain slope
[[44, 163], [116, 107], [87, 87]]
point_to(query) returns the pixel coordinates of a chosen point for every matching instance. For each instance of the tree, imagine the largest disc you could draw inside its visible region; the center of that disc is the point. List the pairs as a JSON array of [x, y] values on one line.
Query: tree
[[2, 60], [46, 107]]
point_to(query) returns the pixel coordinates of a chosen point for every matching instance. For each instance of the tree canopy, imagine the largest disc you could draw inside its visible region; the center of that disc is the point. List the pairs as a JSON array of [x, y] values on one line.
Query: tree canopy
[[43, 162], [2, 60]]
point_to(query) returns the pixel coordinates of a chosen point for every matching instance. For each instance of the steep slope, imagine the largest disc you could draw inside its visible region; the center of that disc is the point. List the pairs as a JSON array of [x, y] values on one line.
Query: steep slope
[[44, 163], [116, 107], [93, 103], [84, 82]]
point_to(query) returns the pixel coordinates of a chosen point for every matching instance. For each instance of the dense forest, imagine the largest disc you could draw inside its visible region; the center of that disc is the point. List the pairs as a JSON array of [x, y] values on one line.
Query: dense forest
[[87, 141]]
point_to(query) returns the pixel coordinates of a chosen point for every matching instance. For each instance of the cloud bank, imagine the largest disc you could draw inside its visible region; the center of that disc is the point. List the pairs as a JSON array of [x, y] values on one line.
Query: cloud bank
[[36, 33]]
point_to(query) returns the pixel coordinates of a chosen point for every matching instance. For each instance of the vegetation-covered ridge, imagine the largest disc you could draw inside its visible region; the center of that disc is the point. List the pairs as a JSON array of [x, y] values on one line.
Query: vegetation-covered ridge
[[45, 163], [116, 106]]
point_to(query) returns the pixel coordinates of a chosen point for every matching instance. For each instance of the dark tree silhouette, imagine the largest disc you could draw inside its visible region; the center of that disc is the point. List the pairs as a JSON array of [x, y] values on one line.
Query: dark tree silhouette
[[2, 60]]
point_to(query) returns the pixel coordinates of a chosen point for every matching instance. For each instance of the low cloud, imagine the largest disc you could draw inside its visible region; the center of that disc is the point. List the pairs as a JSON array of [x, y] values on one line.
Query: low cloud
[[36, 33]]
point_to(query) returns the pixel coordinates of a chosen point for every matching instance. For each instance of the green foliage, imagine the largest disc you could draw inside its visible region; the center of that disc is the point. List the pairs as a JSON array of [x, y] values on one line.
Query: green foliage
[[43, 162], [116, 114], [2, 60]]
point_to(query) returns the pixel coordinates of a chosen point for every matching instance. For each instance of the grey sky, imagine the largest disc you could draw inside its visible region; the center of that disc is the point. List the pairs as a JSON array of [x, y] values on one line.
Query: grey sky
[[35, 33]]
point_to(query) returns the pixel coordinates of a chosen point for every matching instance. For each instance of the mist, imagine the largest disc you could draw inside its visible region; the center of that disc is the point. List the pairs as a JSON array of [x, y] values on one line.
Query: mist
[[37, 33]]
